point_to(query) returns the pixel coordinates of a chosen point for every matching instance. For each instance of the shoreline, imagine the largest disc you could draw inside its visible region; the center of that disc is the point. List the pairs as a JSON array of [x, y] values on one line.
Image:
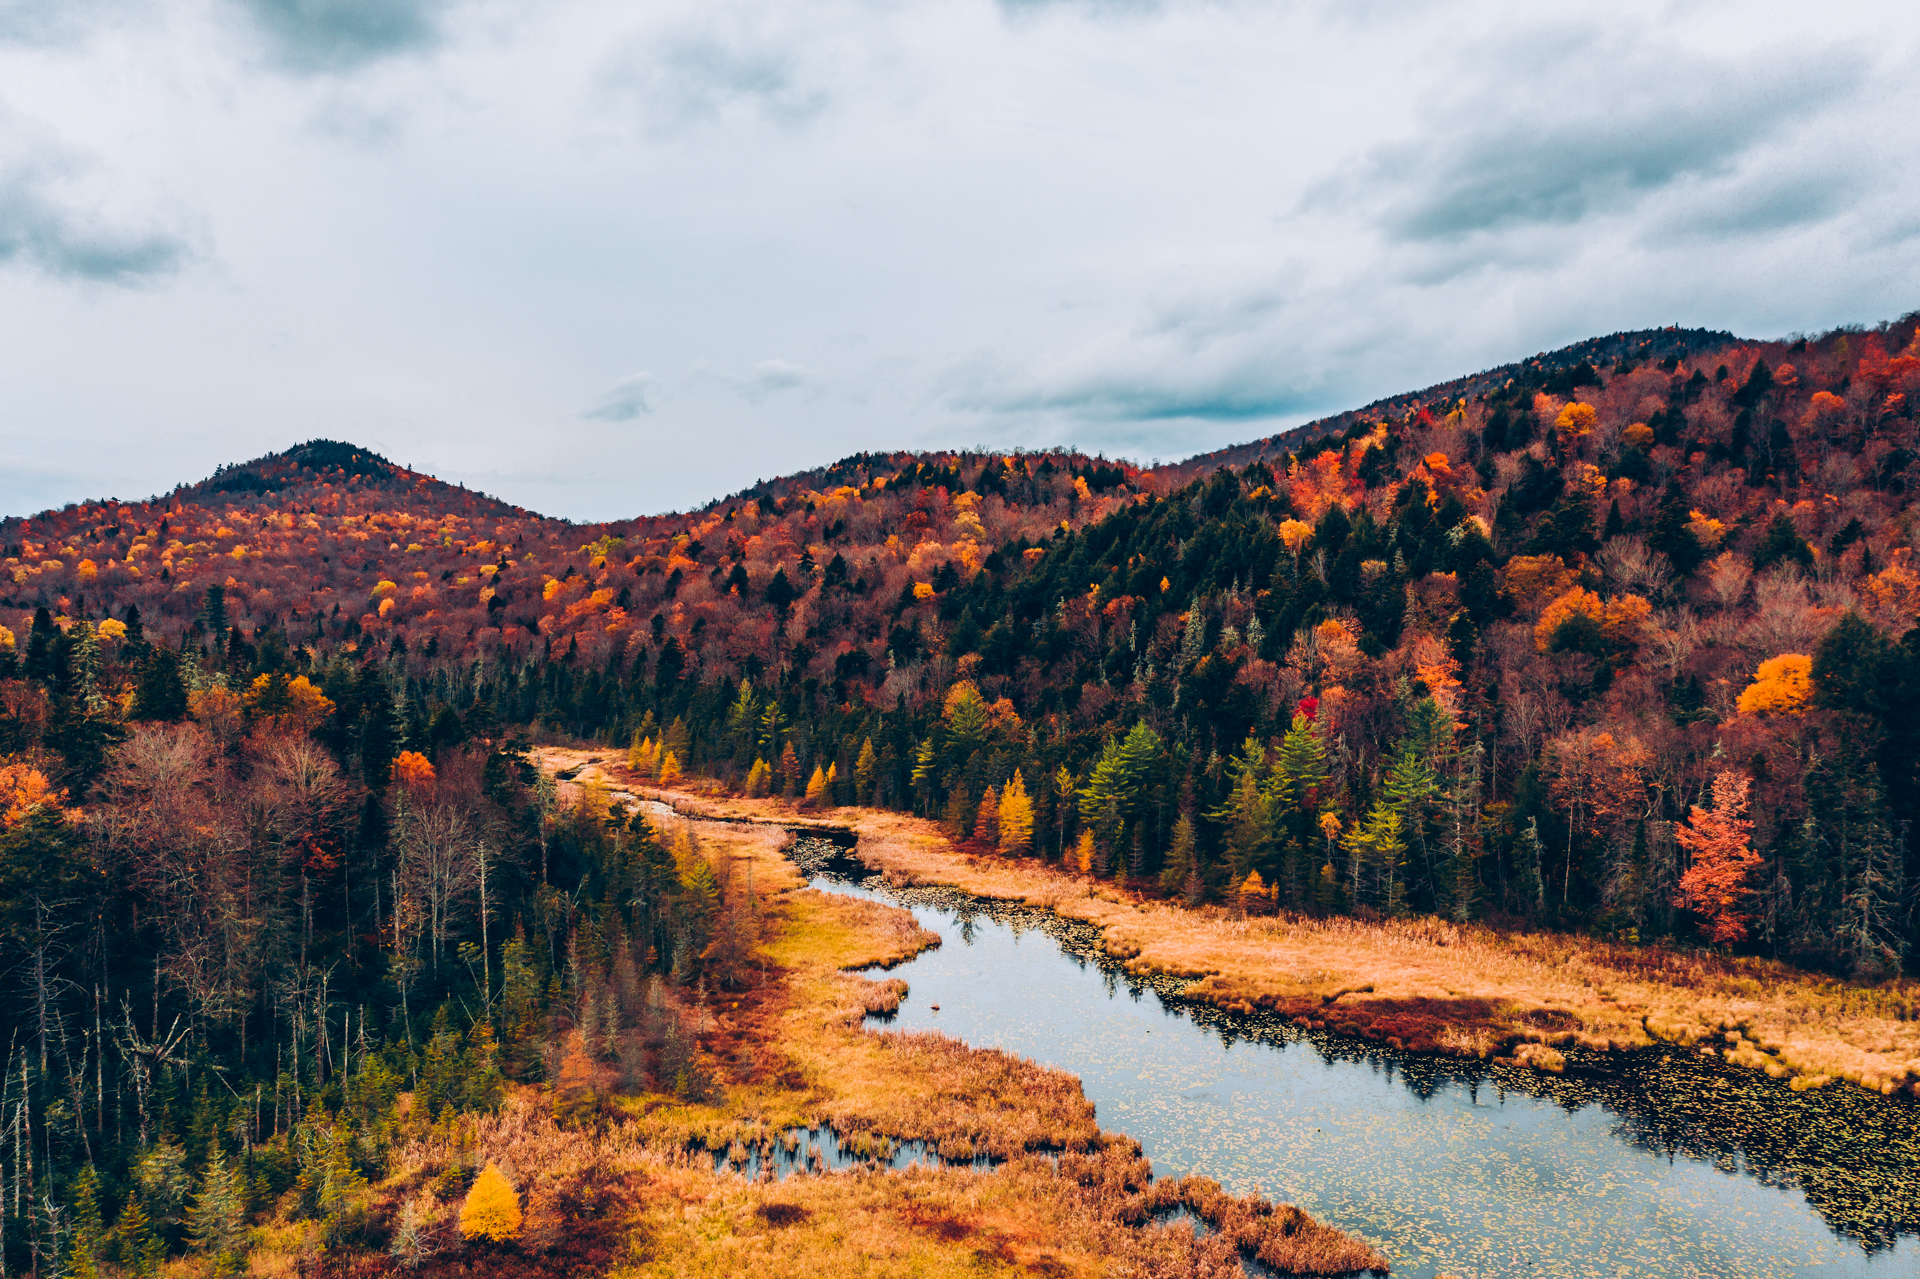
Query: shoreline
[[1419, 985]]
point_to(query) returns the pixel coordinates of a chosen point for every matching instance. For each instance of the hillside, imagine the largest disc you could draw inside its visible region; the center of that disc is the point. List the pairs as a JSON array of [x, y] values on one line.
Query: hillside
[[1550, 586], [1613, 658]]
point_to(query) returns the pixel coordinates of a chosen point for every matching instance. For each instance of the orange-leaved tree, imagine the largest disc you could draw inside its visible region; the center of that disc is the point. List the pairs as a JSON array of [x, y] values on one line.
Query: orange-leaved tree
[[1781, 686], [1716, 884], [414, 771]]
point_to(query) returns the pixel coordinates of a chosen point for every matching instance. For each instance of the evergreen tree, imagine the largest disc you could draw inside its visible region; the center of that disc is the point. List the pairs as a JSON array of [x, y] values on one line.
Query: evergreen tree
[[217, 1222], [86, 1245]]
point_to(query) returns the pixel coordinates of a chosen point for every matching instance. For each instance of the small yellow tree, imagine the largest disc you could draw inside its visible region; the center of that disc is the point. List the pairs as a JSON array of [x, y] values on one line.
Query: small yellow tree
[[1083, 853], [816, 785], [492, 1209], [1016, 817], [1253, 893], [757, 777], [669, 768]]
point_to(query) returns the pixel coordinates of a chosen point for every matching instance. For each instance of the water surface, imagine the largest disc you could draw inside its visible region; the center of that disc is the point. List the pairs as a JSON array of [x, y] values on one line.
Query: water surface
[[1670, 1166]]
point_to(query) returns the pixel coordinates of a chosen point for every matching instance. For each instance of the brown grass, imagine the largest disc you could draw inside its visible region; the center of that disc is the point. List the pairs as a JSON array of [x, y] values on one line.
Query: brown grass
[[633, 1191], [1424, 984]]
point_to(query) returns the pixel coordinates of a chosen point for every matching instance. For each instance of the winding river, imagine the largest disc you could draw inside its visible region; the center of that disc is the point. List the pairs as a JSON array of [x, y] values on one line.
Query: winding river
[[1670, 1165]]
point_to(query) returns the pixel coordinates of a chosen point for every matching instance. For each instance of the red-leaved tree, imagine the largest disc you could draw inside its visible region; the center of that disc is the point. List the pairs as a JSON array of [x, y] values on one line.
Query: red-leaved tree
[[1716, 884]]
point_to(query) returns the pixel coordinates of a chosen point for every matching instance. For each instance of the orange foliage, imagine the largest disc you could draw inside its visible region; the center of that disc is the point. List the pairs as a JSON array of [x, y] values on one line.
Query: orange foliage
[[1716, 884], [1780, 687], [1574, 421], [414, 771], [1623, 619], [24, 788], [1536, 577]]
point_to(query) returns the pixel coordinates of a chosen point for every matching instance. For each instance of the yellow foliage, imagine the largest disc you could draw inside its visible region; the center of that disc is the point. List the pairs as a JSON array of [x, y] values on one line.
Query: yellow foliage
[[923, 590], [492, 1209], [294, 703], [1083, 853], [1706, 529], [1574, 421], [1295, 533], [88, 570], [1782, 686], [386, 606], [758, 778], [816, 785], [111, 629], [1016, 817], [6, 639], [1639, 434], [383, 588], [669, 768], [1536, 577]]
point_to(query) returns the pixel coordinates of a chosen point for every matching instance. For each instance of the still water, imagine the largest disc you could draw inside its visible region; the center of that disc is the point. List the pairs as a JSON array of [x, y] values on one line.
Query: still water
[[1670, 1166]]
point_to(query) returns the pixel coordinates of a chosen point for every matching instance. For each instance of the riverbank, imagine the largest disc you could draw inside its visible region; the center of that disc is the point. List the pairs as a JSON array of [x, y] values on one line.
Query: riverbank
[[1424, 985], [1024, 1181]]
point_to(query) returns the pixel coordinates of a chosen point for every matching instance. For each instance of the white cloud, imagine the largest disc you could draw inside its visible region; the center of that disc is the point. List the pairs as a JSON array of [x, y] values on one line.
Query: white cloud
[[1153, 227]]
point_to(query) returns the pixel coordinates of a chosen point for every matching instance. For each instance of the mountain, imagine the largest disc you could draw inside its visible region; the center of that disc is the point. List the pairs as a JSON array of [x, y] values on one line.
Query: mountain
[[1613, 569]]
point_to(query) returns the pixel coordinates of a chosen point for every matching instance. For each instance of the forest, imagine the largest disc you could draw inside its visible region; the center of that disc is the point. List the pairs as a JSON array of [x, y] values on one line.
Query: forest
[[1620, 642]]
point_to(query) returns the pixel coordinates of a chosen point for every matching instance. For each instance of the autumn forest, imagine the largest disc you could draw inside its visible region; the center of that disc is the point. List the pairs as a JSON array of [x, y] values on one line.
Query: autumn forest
[[1621, 642]]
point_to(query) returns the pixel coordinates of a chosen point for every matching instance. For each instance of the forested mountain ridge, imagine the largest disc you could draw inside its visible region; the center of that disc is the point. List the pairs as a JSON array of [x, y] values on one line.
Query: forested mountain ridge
[[1626, 648], [1550, 370]]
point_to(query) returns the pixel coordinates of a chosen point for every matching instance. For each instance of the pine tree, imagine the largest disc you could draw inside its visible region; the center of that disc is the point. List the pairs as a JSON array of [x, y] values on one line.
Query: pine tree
[[137, 1248], [1016, 817], [1083, 853], [1253, 893], [669, 769], [865, 770], [790, 780], [816, 785], [1179, 863], [86, 1245], [217, 1221], [492, 1209]]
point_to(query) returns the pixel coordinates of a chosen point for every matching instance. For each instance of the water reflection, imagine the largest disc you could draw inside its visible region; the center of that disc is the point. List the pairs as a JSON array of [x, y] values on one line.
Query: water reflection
[[1659, 1164]]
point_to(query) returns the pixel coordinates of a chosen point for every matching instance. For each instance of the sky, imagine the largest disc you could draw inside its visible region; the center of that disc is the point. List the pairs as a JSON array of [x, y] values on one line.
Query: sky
[[610, 259]]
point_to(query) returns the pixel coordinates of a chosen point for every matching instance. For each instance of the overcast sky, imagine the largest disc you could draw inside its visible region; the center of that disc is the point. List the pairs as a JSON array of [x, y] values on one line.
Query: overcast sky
[[605, 259]]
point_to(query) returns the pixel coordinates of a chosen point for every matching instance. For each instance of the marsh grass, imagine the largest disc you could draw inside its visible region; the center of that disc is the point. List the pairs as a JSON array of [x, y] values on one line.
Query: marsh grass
[[631, 1189], [1425, 985]]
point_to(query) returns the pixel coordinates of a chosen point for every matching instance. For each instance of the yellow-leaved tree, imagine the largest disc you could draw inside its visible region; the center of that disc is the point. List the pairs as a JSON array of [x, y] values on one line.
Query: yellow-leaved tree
[[816, 785], [1016, 817], [1782, 686], [492, 1209]]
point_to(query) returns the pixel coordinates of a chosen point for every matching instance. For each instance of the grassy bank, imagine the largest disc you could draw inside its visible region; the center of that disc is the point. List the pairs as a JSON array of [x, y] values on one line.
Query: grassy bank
[[1421, 984], [626, 1186]]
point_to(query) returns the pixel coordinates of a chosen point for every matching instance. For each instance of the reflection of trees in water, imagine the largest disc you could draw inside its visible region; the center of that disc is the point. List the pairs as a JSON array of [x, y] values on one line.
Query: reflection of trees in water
[[1855, 1155]]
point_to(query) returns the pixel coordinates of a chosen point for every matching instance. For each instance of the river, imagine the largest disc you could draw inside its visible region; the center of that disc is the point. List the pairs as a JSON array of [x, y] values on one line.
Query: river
[[1667, 1165]]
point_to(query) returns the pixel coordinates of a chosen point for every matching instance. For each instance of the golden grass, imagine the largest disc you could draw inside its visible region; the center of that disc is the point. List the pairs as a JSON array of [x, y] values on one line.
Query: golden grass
[[635, 1193], [1422, 984]]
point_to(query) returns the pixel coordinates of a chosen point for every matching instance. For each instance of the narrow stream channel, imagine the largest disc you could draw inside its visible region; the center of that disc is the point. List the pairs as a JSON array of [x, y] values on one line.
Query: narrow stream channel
[[1667, 1166]]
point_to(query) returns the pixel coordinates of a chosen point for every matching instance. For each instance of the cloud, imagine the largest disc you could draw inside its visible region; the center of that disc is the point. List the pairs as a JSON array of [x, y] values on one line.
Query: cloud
[[58, 235], [335, 35], [47, 22], [1588, 126], [778, 64], [628, 398]]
